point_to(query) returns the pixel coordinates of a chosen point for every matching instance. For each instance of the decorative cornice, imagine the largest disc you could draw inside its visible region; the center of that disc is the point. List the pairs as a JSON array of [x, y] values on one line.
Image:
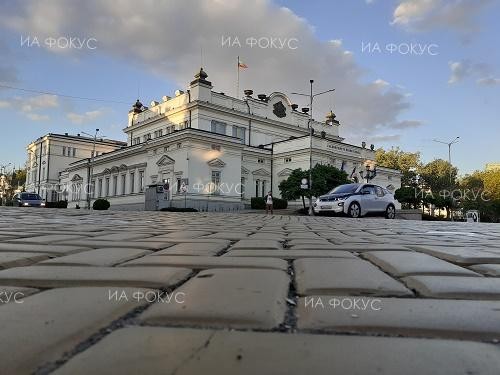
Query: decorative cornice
[[216, 163]]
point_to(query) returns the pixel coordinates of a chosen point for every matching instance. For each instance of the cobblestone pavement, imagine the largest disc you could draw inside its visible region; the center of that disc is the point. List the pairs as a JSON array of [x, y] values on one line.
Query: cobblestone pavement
[[190, 293]]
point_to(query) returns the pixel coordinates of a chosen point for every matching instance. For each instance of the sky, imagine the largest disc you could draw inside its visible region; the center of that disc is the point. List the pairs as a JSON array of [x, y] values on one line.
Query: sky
[[405, 72]]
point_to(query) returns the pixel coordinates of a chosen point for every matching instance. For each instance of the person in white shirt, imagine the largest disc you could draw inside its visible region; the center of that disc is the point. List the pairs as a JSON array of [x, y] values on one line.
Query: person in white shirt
[[269, 203]]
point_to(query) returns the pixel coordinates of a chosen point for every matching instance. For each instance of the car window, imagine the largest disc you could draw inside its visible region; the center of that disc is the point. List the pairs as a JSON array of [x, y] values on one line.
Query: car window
[[368, 188], [379, 191], [29, 196], [345, 189]]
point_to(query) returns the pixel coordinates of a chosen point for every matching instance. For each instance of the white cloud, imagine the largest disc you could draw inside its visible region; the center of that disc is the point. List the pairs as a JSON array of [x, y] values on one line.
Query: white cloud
[[34, 103], [37, 117], [30, 106], [463, 69], [488, 81], [77, 118], [406, 124], [165, 39], [4, 104], [426, 15], [380, 83], [385, 138]]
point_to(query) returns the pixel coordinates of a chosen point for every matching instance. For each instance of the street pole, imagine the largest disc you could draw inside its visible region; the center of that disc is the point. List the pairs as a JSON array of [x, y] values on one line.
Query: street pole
[[91, 167], [311, 131], [449, 144]]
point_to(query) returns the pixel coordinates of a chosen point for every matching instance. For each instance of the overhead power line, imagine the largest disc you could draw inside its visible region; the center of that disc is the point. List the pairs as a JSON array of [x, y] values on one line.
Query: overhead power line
[[64, 96]]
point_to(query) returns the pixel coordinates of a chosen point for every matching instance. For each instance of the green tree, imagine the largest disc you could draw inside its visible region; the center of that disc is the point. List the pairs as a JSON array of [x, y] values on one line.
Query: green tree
[[481, 191], [324, 178], [406, 162], [407, 196], [436, 175]]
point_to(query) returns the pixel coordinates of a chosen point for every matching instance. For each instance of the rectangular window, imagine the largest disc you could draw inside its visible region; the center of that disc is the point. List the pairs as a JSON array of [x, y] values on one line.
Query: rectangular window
[[242, 188], [179, 145], [64, 150], [257, 183], [74, 152], [92, 189], [132, 182], [264, 188], [216, 147], [99, 187], [260, 161], [216, 181], [141, 181], [288, 160], [123, 184], [43, 173], [239, 132], [106, 192], [218, 127], [115, 185]]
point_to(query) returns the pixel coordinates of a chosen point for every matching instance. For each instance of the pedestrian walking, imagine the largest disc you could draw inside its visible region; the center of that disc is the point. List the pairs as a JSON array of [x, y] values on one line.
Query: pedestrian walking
[[269, 203]]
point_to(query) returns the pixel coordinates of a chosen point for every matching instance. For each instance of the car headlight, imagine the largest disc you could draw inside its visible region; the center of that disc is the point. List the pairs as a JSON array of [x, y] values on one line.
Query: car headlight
[[42, 204], [26, 204], [341, 203]]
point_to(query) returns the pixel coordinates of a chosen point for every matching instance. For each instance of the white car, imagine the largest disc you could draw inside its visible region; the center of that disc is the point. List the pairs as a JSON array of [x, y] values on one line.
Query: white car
[[356, 200]]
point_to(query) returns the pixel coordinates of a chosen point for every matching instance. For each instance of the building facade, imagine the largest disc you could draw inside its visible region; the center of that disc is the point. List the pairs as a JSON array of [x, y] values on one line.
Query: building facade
[[492, 167], [206, 150], [52, 153]]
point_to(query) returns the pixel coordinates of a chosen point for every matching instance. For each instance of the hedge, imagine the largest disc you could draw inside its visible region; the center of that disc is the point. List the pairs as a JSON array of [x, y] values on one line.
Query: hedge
[[259, 203], [101, 204], [179, 209], [58, 204]]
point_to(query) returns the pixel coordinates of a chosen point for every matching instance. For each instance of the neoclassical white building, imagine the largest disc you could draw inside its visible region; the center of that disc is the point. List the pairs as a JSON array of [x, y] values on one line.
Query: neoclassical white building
[[212, 152]]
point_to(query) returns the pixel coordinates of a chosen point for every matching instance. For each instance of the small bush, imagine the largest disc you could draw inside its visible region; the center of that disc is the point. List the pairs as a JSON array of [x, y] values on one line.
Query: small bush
[[101, 204], [259, 203], [179, 209], [58, 204]]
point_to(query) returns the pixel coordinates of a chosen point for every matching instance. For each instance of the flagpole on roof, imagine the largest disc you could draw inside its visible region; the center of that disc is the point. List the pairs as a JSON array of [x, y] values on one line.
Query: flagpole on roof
[[238, 78]]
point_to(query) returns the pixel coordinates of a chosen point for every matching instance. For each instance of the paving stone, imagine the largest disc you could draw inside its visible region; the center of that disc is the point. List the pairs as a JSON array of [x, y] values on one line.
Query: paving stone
[[267, 236], [106, 257], [485, 288], [461, 255], [14, 294], [193, 249], [290, 254], [121, 236], [204, 262], [47, 239], [233, 236], [69, 276], [404, 263], [457, 319], [43, 249], [315, 247], [50, 323], [97, 244], [344, 277], [257, 244], [362, 247], [236, 298], [17, 259], [487, 269], [183, 234], [156, 350]]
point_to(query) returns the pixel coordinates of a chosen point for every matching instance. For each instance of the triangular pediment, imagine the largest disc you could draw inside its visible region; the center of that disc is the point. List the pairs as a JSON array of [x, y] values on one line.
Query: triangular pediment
[[165, 160], [216, 163], [285, 172], [261, 172], [244, 170]]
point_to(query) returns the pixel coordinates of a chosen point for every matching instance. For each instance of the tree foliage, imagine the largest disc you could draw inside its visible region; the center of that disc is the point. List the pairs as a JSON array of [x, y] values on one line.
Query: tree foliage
[[406, 162], [324, 179]]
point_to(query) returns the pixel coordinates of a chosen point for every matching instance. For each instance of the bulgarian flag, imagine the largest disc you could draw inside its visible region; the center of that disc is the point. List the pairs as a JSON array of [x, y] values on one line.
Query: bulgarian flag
[[241, 64]]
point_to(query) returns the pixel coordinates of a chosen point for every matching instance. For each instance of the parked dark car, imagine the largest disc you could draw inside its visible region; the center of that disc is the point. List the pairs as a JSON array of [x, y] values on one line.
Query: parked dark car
[[28, 200]]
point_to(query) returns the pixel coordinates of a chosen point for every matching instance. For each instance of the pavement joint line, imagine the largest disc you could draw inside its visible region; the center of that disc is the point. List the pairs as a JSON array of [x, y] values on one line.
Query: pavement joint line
[[128, 319], [290, 322]]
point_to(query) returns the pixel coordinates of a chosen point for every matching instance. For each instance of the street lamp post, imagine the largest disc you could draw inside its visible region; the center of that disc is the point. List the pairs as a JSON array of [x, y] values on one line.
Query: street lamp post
[[311, 131], [449, 144], [91, 167]]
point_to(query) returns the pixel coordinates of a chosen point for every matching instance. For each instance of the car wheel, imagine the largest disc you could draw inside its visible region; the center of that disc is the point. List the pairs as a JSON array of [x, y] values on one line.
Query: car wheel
[[390, 212], [354, 210]]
